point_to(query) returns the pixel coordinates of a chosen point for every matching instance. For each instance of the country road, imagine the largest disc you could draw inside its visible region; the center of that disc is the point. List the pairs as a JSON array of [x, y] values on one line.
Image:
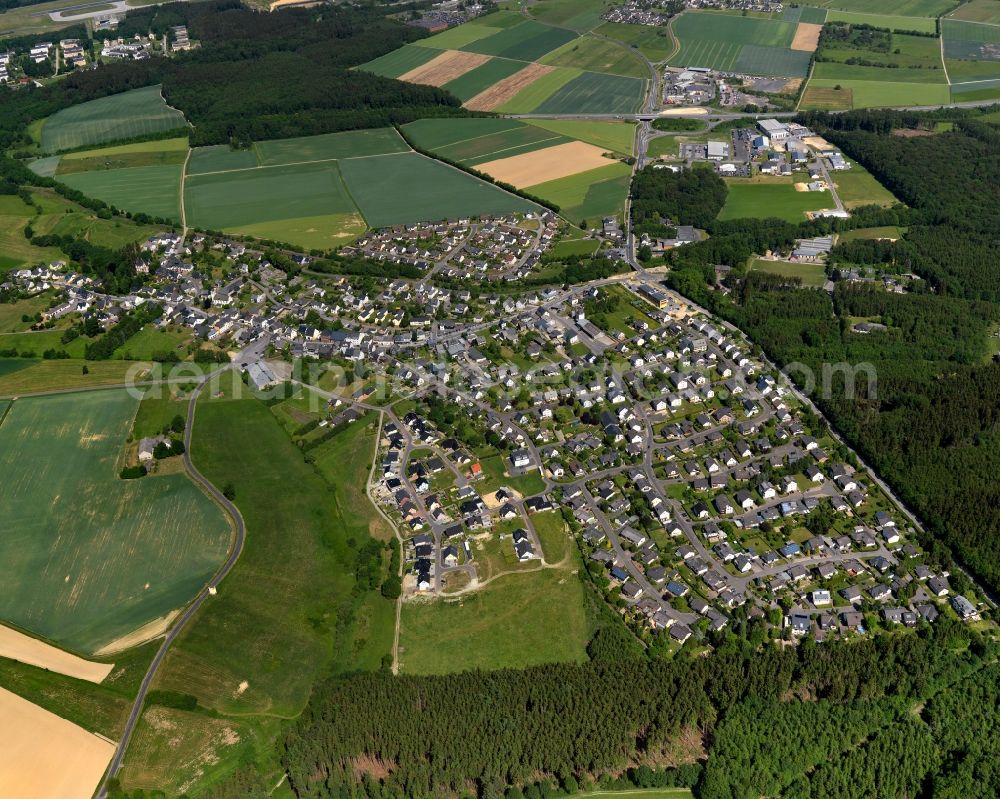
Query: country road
[[189, 613]]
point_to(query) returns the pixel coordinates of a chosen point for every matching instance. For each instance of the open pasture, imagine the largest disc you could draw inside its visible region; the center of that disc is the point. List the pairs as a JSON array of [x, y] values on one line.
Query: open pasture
[[121, 116], [811, 275], [595, 93], [274, 196], [857, 187], [90, 557], [46, 757], [407, 188], [598, 55], [153, 190], [777, 198], [527, 41]]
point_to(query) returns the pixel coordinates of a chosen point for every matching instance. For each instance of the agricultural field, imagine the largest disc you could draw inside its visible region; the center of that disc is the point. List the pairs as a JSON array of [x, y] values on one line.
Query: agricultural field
[[987, 11], [280, 621], [811, 275], [972, 56], [527, 41], [478, 80], [654, 43], [121, 116], [384, 188], [401, 61], [152, 190], [329, 146], [518, 620], [876, 93], [129, 553], [776, 197], [736, 43], [857, 187], [903, 8], [35, 375], [578, 15], [880, 20], [598, 55], [595, 93], [562, 161], [148, 153]]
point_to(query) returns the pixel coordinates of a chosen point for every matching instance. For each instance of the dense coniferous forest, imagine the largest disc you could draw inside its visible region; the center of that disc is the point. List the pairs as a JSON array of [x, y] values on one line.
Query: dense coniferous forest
[[767, 719], [931, 429]]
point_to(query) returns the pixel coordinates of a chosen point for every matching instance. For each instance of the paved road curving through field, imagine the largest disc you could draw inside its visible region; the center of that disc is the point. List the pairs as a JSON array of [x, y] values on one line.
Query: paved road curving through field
[[192, 609]]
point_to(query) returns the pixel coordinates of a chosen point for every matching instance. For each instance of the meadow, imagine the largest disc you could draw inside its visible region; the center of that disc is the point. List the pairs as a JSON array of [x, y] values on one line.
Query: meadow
[[408, 187], [654, 43], [617, 137], [774, 198], [90, 557], [121, 116], [857, 187], [905, 8], [401, 61], [518, 620], [883, 20], [152, 190], [811, 275], [286, 616], [875, 93]]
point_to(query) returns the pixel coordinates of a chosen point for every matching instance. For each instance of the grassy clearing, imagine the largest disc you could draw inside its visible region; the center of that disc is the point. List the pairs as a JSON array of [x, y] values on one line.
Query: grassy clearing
[[121, 116], [386, 187], [857, 187], [595, 93], [654, 43], [886, 232], [811, 275], [129, 551], [518, 620], [771, 199], [640, 793], [617, 137], [598, 55], [570, 247], [153, 190]]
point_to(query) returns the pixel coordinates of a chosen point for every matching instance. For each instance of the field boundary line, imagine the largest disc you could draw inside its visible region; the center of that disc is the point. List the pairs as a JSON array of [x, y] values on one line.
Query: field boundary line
[[472, 138], [295, 163], [519, 146], [184, 225], [350, 195]]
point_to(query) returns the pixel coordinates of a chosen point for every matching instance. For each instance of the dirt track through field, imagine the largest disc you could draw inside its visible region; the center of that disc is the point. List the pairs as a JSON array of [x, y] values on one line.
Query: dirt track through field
[[446, 67], [505, 90], [806, 37], [18, 646], [43, 756], [551, 163]]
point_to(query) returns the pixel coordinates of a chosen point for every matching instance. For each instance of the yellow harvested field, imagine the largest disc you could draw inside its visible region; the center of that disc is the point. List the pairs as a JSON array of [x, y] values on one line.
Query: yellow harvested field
[[552, 163], [505, 90], [18, 646], [46, 757], [806, 37], [817, 143], [446, 67]]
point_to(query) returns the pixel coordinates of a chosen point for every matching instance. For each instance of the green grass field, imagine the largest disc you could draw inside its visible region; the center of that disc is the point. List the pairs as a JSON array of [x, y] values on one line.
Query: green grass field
[[618, 137], [276, 197], [812, 275], [90, 557], [153, 190], [436, 134], [851, 73], [407, 188], [972, 71], [595, 93], [401, 61], [771, 199], [286, 616], [350, 144], [598, 55], [533, 95], [63, 374], [151, 339], [987, 11], [220, 158], [737, 43], [470, 141], [120, 116], [906, 8], [880, 20], [590, 195], [455, 38], [578, 15], [857, 187], [654, 43], [886, 232], [482, 77], [517, 620], [527, 41], [874, 94]]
